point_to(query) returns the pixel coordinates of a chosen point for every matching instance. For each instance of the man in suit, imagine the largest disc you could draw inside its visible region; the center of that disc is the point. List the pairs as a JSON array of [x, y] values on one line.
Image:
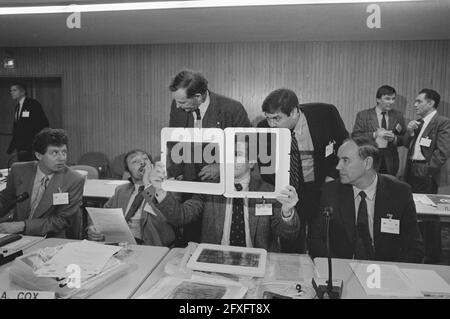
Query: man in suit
[[55, 191], [194, 105], [147, 224], [428, 141], [234, 221], [384, 125], [29, 119], [317, 131], [373, 215]]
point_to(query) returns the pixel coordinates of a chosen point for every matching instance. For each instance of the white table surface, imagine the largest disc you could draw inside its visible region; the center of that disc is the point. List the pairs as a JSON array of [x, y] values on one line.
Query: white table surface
[[101, 188]]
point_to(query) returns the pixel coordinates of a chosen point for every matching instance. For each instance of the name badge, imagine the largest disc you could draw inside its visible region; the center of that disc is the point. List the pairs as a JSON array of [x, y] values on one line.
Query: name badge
[[425, 141], [263, 210], [398, 128], [148, 208], [60, 198], [25, 114], [26, 294], [329, 149], [390, 226]]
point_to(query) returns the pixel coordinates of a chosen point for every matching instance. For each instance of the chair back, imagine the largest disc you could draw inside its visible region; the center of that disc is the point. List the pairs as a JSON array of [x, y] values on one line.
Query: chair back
[[98, 160], [86, 170]]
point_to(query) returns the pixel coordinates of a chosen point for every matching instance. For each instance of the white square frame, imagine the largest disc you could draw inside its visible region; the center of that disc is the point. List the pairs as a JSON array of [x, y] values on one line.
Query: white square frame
[[282, 161], [196, 135], [229, 269]]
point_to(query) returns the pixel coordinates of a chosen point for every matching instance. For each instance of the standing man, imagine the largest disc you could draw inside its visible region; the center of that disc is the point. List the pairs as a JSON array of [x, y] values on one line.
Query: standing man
[[54, 192], [147, 224], [194, 105], [383, 124], [373, 215], [29, 119], [428, 141], [317, 131]]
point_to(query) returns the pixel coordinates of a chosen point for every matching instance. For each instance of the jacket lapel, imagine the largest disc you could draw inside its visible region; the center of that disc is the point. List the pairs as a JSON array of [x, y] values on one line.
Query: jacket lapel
[[23, 209], [347, 210], [391, 121], [53, 187], [315, 127], [427, 133], [374, 119], [252, 219], [380, 209]]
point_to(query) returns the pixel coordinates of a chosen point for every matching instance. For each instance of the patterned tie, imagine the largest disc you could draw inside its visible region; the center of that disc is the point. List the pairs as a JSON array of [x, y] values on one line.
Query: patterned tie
[[237, 235], [296, 174], [39, 193], [363, 245], [137, 202], [383, 120]]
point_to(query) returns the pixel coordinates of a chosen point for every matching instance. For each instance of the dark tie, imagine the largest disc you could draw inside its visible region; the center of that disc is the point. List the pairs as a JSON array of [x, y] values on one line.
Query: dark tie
[[137, 202], [16, 113], [296, 174], [237, 234], [383, 120], [363, 245], [197, 112], [414, 139]]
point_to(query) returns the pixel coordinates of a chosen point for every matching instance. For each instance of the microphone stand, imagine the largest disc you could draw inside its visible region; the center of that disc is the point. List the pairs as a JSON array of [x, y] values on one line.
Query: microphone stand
[[328, 289]]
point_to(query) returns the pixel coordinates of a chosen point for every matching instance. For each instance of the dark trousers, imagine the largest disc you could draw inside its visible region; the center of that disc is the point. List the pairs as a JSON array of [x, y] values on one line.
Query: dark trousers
[[431, 227], [307, 208]]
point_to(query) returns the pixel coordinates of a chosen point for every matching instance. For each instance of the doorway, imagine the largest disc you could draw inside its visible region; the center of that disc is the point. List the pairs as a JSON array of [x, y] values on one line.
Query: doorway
[[47, 90]]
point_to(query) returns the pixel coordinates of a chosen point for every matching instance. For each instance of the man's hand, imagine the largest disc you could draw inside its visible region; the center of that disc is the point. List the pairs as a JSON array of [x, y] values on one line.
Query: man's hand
[[157, 175], [12, 227], [288, 201], [94, 234], [412, 126], [210, 173]]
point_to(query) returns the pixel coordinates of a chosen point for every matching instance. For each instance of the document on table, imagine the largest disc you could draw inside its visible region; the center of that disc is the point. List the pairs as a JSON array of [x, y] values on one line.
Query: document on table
[[424, 199], [384, 280], [111, 223], [90, 257], [117, 182], [427, 281]]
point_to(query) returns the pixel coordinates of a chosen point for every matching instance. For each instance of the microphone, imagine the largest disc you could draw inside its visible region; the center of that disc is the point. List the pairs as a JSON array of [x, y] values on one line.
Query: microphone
[[328, 289]]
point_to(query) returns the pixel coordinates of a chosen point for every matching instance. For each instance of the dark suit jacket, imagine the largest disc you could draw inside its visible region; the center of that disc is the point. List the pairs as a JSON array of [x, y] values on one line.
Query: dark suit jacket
[[438, 130], [393, 197], [264, 230], [48, 219], [325, 125], [25, 128], [366, 124], [155, 230]]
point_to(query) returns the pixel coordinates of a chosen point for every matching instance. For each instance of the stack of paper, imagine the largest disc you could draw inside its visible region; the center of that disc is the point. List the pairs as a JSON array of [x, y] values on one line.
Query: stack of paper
[[91, 257], [111, 223]]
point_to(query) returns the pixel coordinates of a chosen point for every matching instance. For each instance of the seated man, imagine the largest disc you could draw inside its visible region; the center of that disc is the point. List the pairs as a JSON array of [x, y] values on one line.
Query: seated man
[[374, 215], [233, 221], [54, 191], [146, 222]]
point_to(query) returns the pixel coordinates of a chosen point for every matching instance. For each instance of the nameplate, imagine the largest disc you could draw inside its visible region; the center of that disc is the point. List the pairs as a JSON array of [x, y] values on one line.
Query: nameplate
[[444, 205], [26, 294]]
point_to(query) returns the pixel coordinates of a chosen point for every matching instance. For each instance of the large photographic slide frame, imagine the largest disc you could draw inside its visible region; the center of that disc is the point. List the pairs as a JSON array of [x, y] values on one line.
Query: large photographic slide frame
[[194, 135]]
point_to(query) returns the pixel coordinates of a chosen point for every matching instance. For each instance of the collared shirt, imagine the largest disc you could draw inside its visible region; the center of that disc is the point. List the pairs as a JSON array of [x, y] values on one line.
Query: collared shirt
[[202, 107], [370, 200], [380, 117], [37, 182], [20, 107], [417, 155], [135, 221], [306, 148]]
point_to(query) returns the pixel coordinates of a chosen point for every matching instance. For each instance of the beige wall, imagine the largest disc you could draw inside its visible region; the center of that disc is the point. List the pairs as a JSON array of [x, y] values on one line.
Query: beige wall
[[116, 97]]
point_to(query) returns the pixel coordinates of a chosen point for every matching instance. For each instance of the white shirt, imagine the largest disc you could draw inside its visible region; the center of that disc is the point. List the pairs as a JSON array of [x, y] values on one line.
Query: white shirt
[[202, 107], [20, 107], [370, 200], [417, 155], [380, 117], [306, 148], [37, 182], [135, 221]]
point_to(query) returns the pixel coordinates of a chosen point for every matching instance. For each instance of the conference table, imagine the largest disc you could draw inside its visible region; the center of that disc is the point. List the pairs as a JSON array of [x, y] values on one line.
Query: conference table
[[280, 268], [142, 261], [353, 289]]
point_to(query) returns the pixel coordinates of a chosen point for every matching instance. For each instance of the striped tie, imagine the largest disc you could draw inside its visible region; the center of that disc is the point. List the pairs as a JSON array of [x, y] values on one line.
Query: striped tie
[[39, 193], [296, 165]]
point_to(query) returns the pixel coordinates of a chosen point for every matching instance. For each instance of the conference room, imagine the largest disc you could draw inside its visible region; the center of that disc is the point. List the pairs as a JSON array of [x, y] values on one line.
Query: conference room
[[215, 149]]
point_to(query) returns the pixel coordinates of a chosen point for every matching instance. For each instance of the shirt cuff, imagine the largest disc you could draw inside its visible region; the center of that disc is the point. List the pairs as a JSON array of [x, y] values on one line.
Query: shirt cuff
[[290, 216]]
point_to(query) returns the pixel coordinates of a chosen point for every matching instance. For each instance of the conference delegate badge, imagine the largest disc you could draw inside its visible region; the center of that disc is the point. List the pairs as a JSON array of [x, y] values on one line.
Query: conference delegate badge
[[425, 141], [60, 198], [25, 114], [329, 149], [148, 208], [398, 128], [390, 225], [263, 209]]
